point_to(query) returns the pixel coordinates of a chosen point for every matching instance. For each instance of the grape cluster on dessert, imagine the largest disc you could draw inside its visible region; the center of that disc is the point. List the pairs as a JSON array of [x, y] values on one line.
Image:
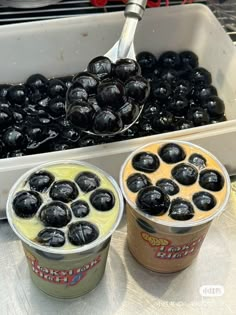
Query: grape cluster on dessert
[[65, 205], [174, 181], [105, 98]]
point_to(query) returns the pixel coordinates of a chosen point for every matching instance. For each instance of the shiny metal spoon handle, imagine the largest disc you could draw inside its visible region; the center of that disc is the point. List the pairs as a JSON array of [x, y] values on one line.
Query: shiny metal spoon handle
[[135, 8], [133, 13]]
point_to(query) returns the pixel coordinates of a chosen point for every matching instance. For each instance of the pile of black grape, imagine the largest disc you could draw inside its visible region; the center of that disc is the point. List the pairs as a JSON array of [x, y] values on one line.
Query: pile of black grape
[[181, 93], [33, 117], [108, 98]]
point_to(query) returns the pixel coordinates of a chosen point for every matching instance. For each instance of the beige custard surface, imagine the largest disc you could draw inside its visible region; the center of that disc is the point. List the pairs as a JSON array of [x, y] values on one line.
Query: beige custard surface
[[185, 192]]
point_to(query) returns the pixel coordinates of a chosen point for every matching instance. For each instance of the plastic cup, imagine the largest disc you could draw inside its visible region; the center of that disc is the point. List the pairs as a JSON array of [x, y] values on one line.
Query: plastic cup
[[66, 273], [163, 244]]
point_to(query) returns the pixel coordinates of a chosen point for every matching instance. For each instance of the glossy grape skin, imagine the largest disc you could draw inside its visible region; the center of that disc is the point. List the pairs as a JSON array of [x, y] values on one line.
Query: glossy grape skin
[[204, 201], [198, 160], [211, 180], [111, 93], [200, 76], [51, 237], [80, 208], [37, 82], [56, 88], [138, 89], [188, 59], [80, 114], [169, 59], [76, 92], [182, 88], [88, 81], [56, 107], [168, 186], [145, 162], [178, 105], [164, 121], [6, 118], [170, 76], [152, 200], [214, 105], [181, 210], [107, 122], [199, 116], [125, 68], [55, 214], [87, 181], [147, 61], [37, 86], [102, 199], [185, 174], [26, 203], [14, 139], [3, 90], [129, 112], [137, 181], [172, 153], [161, 90], [16, 94], [40, 181], [64, 190], [82, 233], [100, 66]]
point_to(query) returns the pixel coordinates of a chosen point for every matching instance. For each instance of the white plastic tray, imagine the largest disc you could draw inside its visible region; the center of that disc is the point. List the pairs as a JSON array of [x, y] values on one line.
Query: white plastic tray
[[61, 47]]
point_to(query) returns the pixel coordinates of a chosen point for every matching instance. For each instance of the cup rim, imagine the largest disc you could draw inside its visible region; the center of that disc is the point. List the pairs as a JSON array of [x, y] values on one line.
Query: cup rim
[[53, 250], [176, 223]]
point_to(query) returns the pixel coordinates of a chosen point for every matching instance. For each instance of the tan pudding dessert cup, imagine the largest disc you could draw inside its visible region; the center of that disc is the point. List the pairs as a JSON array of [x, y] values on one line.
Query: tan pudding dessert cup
[[159, 242], [75, 270]]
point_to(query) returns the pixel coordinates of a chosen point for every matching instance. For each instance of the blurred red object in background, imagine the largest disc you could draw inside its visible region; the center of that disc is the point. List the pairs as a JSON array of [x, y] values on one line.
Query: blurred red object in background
[[150, 3]]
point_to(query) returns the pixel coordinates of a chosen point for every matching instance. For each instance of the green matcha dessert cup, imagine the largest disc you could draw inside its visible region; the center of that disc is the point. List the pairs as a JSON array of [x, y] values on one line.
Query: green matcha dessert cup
[[64, 213]]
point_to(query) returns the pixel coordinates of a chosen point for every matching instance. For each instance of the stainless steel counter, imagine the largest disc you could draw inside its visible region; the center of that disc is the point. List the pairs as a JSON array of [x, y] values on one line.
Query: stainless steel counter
[[128, 288]]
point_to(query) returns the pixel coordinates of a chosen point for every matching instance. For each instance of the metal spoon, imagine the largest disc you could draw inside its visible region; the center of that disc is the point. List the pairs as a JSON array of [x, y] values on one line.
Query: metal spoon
[[124, 48]]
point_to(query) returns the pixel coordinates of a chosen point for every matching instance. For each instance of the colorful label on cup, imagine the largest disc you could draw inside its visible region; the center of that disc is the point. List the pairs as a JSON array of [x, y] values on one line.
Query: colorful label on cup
[[161, 248], [68, 277], [166, 250]]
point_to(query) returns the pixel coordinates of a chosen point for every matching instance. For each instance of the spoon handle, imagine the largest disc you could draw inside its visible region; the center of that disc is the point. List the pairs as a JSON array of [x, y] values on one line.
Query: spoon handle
[[133, 13], [135, 8]]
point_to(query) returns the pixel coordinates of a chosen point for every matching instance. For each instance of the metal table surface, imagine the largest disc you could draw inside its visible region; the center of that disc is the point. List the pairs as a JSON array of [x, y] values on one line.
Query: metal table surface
[[127, 287]]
